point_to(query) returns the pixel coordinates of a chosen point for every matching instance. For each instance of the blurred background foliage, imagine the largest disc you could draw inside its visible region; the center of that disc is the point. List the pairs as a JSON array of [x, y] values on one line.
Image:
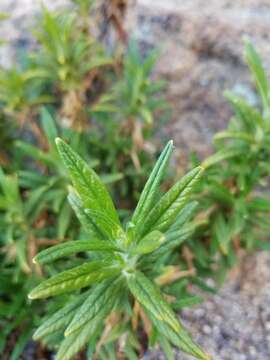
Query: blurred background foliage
[[103, 100]]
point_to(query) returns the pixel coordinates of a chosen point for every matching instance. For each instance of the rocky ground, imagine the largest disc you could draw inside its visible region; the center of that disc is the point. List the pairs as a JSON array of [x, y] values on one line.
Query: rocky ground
[[235, 324], [201, 44]]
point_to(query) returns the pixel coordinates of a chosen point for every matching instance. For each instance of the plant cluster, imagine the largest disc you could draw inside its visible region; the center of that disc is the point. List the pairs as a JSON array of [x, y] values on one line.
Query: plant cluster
[[67, 86], [225, 215], [233, 197], [119, 266], [120, 278]]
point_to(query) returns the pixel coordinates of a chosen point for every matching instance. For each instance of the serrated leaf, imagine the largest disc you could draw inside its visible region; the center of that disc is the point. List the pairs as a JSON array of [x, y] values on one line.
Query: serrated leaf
[[73, 279], [72, 247], [92, 191], [165, 212], [151, 188]]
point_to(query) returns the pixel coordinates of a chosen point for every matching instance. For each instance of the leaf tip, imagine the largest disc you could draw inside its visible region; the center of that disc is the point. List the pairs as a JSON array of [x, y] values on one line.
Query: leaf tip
[[58, 141], [67, 332], [31, 296]]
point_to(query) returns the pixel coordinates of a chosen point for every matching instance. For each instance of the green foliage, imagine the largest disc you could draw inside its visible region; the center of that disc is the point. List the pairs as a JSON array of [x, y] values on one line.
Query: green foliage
[[120, 266], [18, 217], [66, 55], [123, 277], [234, 202]]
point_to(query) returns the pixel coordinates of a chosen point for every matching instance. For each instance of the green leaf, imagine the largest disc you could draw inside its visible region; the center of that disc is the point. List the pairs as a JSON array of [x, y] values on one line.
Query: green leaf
[[249, 117], [165, 212], [88, 224], [34, 152], [184, 215], [221, 155], [238, 135], [106, 225], [61, 318], [180, 339], [72, 344], [222, 233], [72, 247], [176, 237], [103, 295], [73, 279], [187, 301], [88, 185], [258, 72], [262, 245], [64, 220], [149, 243], [259, 204], [149, 296], [75, 341], [151, 188], [49, 127]]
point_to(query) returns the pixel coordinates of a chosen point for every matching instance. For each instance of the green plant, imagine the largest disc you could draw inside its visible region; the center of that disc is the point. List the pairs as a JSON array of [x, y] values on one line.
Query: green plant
[[124, 117], [232, 197], [120, 269], [19, 217], [52, 179], [69, 59]]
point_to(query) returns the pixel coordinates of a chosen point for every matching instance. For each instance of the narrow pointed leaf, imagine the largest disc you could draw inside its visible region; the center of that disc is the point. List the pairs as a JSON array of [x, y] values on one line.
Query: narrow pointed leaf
[[88, 224], [221, 155], [92, 191], [61, 318], [106, 225], [73, 279], [180, 339], [149, 243], [259, 74], [78, 339], [151, 188], [72, 247], [222, 233], [103, 295], [164, 214], [72, 344], [49, 127], [149, 296], [234, 135]]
